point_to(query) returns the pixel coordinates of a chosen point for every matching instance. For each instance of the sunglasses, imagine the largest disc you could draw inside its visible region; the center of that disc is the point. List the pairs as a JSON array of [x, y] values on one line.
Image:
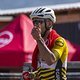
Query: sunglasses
[[37, 21]]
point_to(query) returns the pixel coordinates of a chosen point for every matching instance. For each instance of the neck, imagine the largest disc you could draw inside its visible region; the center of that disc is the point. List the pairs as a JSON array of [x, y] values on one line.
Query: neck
[[47, 33]]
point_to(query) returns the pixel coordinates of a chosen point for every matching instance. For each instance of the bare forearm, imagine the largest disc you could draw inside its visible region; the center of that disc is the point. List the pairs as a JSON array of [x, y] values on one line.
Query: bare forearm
[[44, 52]]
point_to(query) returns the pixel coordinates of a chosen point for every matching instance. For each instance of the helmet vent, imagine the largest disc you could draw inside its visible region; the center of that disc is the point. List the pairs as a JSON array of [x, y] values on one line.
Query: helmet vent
[[36, 11], [41, 15], [41, 10], [48, 11]]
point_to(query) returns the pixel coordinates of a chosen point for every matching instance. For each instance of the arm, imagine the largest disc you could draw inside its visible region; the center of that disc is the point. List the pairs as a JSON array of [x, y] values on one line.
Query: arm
[[44, 52]]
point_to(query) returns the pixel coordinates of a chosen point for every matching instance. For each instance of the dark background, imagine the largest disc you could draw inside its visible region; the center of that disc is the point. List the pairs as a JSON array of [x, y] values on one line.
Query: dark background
[[70, 31]]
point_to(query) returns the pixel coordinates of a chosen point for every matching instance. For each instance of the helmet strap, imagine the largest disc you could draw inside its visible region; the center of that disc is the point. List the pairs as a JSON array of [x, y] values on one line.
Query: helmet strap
[[46, 29], [43, 34]]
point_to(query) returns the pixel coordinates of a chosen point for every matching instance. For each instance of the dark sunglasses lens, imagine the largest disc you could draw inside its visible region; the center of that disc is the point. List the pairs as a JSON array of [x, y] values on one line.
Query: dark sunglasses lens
[[37, 21]]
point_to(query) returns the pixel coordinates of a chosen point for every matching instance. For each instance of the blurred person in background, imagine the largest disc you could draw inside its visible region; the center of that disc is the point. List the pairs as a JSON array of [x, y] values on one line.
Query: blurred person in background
[[49, 60]]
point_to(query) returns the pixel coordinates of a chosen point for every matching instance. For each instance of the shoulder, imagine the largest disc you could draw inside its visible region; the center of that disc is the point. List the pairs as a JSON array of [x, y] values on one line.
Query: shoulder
[[53, 34], [60, 41]]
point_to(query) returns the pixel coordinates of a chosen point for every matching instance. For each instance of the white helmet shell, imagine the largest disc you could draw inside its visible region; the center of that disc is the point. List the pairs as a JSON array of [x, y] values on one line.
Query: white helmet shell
[[44, 13]]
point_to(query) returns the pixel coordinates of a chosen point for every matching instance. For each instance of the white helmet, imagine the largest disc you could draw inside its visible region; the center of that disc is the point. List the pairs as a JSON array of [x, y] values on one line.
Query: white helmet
[[44, 13]]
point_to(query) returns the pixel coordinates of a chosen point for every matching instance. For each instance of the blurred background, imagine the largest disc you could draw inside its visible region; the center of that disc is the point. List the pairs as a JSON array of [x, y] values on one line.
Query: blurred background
[[17, 44]]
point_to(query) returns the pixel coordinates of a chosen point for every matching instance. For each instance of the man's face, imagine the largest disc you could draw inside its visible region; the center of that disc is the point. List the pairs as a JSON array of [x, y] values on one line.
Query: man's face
[[42, 23], [39, 22]]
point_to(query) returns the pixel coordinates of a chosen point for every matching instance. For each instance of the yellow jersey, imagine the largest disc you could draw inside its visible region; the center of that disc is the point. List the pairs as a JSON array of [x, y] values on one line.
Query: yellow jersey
[[56, 71]]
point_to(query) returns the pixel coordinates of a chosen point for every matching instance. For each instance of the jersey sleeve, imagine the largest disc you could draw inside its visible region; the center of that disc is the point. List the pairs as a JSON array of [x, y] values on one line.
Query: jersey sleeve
[[58, 47]]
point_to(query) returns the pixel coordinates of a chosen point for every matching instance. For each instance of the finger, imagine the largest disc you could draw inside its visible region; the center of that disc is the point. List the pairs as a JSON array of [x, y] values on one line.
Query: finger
[[35, 26], [35, 30]]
